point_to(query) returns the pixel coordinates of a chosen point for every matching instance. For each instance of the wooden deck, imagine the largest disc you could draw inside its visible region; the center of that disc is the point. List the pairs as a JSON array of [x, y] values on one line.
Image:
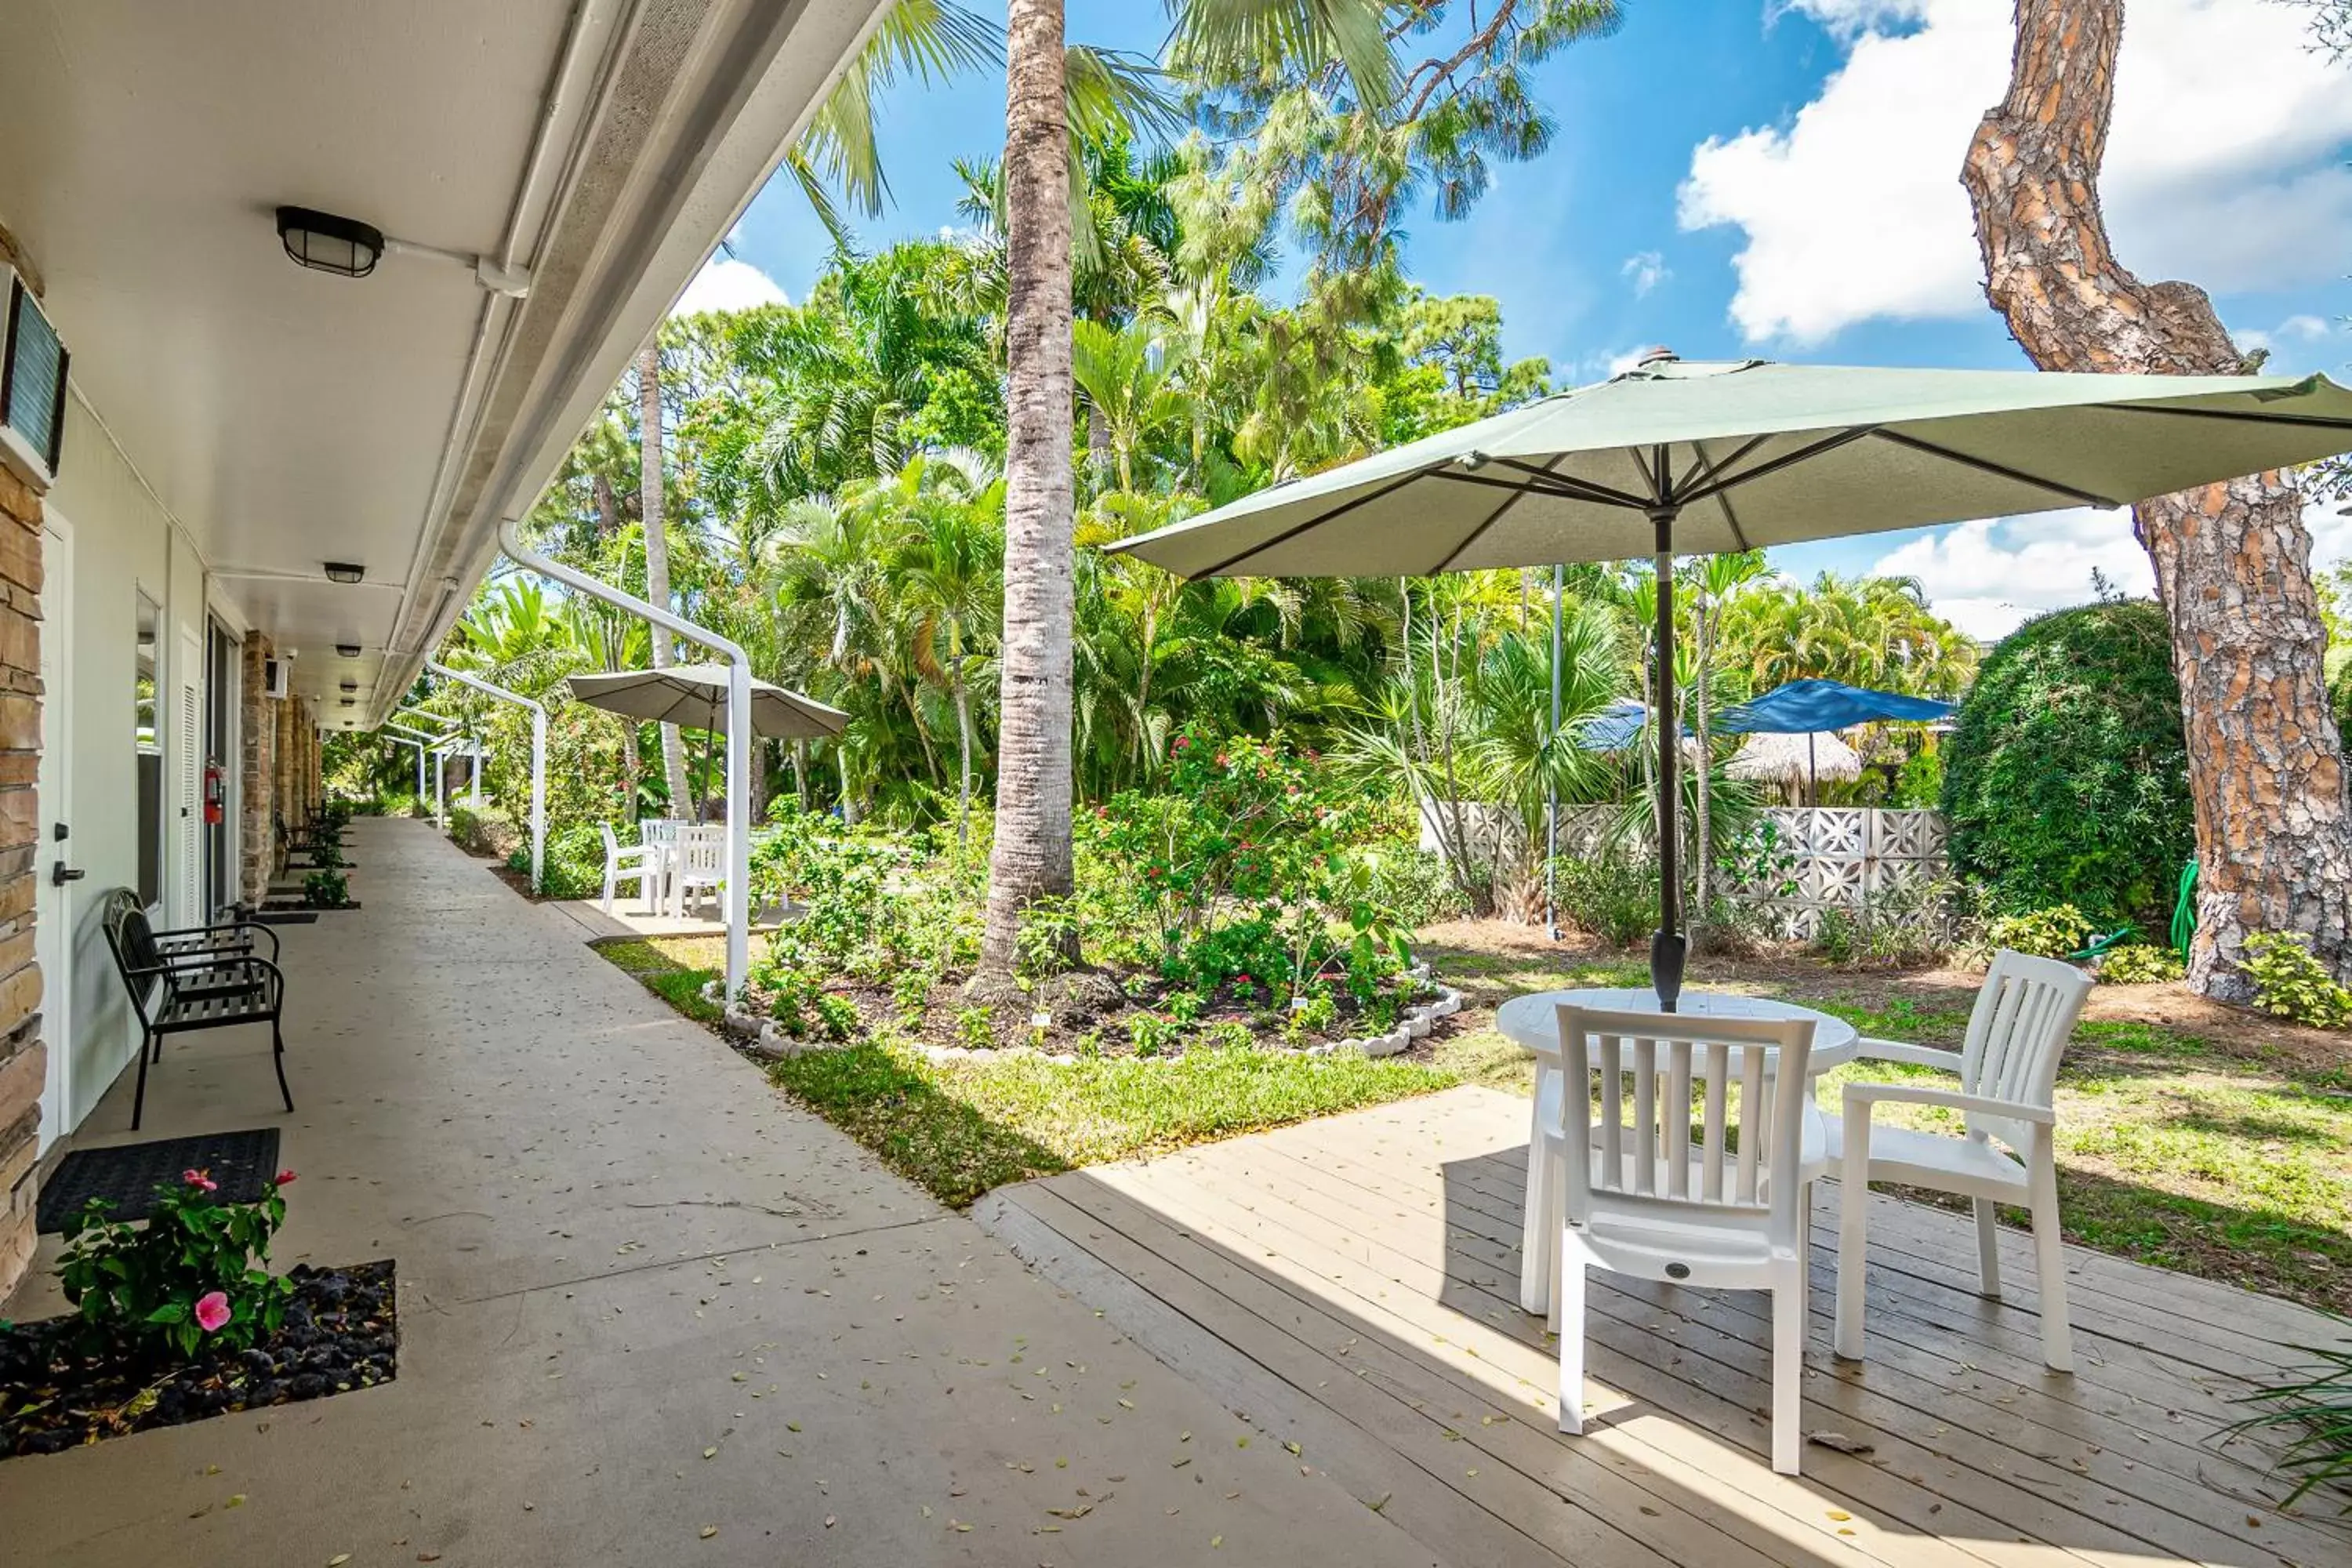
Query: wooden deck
[[1351, 1286]]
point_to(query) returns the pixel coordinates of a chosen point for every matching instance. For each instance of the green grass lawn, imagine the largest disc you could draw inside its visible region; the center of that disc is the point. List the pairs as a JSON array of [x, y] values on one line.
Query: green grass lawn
[[959, 1128]]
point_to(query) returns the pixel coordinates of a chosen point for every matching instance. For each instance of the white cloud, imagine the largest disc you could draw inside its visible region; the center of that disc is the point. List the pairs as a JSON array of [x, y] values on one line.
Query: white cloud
[[1646, 269], [2224, 165], [726, 283], [1985, 577]]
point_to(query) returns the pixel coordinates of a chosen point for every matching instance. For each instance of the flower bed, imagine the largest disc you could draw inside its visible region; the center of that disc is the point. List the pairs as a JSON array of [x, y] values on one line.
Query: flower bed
[[339, 1332], [1253, 903]]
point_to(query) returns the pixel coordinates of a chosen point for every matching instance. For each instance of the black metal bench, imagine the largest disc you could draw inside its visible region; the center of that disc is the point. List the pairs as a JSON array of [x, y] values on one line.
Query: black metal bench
[[205, 977]]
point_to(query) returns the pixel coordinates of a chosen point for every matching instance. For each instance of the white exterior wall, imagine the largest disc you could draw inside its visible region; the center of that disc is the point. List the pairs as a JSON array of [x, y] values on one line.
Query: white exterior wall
[[125, 543]]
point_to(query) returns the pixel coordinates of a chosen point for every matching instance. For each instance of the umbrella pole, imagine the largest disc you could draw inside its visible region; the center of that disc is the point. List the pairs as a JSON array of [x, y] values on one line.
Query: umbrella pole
[[1667, 947], [1551, 783], [1813, 774]]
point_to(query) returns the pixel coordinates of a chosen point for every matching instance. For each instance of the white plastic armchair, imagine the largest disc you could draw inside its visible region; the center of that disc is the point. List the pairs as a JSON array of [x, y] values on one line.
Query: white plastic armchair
[[1647, 1199], [2008, 1068], [637, 863]]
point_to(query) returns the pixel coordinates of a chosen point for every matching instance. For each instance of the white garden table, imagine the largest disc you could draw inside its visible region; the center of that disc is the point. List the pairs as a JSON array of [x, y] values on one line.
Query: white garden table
[[1532, 1022]]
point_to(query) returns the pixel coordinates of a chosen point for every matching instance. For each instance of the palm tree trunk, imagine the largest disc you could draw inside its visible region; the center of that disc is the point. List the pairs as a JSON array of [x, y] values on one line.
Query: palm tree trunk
[[963, 759], [649, 507], [2233, 561], [1030, 857]]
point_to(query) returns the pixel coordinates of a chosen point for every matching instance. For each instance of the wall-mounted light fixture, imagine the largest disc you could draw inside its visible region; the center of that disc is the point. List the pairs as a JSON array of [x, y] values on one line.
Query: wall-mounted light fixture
[[346, 650], [344, 571], [327, 242]]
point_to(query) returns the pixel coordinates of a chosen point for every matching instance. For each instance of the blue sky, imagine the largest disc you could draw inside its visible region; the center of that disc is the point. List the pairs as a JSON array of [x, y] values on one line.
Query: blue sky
[[1777, 178]]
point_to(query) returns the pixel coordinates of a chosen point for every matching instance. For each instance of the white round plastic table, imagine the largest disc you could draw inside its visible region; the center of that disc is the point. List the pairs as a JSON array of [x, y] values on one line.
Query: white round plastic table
[[1532, 1022]]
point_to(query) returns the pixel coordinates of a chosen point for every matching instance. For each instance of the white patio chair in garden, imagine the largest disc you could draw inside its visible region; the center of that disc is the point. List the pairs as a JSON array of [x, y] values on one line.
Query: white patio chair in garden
[[1646, 1199], [638, 863], [659, 835], [2008, 1068], [697, 864]]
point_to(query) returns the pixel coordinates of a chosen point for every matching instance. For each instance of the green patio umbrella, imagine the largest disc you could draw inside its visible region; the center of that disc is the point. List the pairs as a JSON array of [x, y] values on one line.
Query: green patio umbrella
[[1705, 458]]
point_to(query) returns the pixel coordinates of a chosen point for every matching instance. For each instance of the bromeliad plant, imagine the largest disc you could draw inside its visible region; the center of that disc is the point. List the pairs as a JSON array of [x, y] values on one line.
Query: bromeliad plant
[[195, 1273]]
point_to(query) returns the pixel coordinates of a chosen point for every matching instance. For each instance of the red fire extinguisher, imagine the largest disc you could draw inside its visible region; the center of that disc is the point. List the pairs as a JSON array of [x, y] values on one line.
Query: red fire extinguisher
[[216, 793]]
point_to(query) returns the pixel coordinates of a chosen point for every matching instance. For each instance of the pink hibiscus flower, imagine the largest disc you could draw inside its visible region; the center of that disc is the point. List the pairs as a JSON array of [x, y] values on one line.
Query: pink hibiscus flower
[[284, 1176], [212, 1310], [200, 1180]]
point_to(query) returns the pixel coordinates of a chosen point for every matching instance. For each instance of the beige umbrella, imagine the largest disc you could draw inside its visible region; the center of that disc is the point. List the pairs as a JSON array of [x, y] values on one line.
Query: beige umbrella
[[694, 697], [1795, 760]]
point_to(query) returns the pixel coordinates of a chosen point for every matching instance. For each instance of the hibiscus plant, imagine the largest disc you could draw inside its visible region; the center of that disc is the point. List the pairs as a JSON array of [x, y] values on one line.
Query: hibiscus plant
[[196, 1272]]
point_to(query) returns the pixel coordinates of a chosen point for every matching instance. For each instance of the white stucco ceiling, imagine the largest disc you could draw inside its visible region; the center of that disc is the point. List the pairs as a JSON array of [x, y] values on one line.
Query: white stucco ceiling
[[290, 418]]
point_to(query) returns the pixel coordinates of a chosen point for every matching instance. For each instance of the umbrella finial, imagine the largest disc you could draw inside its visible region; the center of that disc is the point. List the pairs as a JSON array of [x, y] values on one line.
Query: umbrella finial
[[1659, 354]]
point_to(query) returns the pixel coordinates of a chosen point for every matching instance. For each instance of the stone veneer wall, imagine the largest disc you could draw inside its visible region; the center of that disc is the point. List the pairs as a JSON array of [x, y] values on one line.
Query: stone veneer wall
[[258, 773], [23, 1060]]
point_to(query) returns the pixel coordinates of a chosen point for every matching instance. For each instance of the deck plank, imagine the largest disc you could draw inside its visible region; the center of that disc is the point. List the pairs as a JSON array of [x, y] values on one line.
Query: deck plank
[[1352, 1283]]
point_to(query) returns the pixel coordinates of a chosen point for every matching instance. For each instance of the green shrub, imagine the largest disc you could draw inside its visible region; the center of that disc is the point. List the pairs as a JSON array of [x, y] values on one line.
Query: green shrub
[[1919, 920], [2067, 780], [976, 1027], [2043, 933], [1150, 1034], [326, 853], [1612, 896], [147, 1289], [1232, 1034], [2139, 963], [2291, 983], [326, 890]]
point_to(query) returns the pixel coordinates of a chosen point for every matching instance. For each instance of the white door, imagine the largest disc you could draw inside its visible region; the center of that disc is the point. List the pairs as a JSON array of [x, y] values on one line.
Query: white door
[[53, 908], [187, 764]]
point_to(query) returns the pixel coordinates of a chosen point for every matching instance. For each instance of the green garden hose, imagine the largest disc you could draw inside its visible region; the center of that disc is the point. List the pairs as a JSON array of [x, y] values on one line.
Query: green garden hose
[[2184, 910]]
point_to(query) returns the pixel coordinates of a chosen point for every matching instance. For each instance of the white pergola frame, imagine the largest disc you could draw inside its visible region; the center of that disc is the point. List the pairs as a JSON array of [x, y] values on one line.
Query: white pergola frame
[[538, 759], [736, 895], [428, 743]]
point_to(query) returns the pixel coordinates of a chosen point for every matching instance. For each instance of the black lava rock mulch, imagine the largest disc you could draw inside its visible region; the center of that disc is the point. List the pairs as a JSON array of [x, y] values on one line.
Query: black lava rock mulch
[[341, 1333]]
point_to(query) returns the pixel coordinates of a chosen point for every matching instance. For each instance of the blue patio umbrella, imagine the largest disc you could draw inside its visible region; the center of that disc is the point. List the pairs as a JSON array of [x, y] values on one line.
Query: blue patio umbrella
[[1814, 707]]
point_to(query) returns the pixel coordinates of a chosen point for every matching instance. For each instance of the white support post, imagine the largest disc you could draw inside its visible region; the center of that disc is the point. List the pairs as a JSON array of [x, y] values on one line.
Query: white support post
[[736, 901], [538, 760]]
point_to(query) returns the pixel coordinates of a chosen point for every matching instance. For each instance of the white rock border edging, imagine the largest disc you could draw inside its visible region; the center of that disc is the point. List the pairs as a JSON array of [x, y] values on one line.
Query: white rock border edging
[[759, 1037]]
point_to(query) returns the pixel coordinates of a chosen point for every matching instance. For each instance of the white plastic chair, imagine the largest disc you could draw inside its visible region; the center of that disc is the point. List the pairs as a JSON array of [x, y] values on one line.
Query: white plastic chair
[[638, 863], [659, 835], [697, 864], [1644, 1199], [2008, 1068]]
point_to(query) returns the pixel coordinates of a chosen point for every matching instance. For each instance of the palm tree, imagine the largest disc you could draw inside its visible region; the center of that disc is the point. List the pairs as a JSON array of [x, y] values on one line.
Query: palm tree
[[948, 578], [649, 508], [1127, 374]]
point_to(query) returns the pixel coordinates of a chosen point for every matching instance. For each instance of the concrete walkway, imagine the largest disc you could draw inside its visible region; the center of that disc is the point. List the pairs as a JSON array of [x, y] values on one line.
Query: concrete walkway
[[643, 1297]]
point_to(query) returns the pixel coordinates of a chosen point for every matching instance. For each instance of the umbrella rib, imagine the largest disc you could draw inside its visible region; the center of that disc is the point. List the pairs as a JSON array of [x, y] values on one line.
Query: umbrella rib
[[1493, 518], [1560, 485], [1587, 489], [2320, 421], [1287, 534], [2000, 469], [1708, 468], [1723, 483]]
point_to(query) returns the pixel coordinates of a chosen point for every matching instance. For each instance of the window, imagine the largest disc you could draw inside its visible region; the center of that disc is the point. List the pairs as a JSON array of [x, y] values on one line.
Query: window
[[149, 754]]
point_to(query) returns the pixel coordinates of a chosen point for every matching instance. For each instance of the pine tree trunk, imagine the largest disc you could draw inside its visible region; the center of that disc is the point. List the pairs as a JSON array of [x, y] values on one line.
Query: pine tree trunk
[[649, 507], [2233, 561], [1030, 857]]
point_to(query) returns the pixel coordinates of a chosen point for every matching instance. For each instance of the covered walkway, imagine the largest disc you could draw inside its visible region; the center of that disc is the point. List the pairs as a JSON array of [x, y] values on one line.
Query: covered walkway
[[641, 1296]]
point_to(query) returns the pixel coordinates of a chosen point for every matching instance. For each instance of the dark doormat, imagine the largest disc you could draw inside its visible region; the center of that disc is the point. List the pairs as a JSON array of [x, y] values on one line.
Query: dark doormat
[[286, 918], [128, 1175]]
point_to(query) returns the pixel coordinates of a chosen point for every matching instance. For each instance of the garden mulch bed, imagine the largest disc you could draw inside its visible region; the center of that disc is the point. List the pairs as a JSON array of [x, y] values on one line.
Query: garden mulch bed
[[341, 1333]]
